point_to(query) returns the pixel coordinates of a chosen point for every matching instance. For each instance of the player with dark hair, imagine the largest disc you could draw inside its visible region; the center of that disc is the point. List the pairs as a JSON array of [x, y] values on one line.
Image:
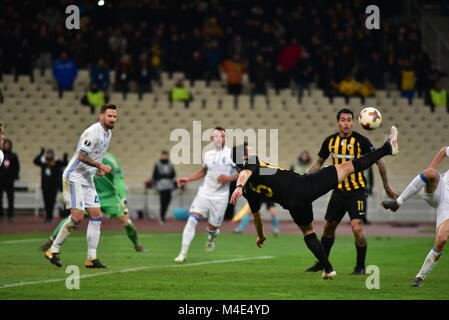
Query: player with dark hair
[[79, 189], [212, 198], [351, 194], [260, 180], [111, 191]]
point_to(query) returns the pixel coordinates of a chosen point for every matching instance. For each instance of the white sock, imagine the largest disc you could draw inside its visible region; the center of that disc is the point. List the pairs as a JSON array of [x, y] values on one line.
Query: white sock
[[430, 262], [63, 233], [413, 188], [188, 234], [93, 237]]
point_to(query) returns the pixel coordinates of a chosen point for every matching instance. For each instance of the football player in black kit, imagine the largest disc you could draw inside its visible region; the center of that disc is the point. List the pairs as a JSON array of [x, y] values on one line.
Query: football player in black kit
[[261, 180]]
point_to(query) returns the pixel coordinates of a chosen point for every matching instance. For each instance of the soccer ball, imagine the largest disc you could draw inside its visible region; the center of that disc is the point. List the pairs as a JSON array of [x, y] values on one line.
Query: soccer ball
[[370, 118]]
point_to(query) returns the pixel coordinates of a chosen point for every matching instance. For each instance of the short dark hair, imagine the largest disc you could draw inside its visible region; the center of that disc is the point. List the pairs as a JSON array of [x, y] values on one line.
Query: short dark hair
[[239, 150], [345, 110], [107, 106], [219, 128], [164, 152]]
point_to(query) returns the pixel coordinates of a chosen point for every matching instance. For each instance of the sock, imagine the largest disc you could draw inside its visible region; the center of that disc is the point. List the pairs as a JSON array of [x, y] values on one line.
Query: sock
[[56, 231], [413, 188], [430, 262], [131, 232], [63, 233], [327, 244], [93, 237], [275, 223], [244, 222], [371, 158], [361, 256], [189, 233], [317, 249], [213, 233]]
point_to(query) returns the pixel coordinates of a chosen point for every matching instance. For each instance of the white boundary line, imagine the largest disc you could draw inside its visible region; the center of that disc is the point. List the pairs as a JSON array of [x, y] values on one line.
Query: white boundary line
[[18, 284]]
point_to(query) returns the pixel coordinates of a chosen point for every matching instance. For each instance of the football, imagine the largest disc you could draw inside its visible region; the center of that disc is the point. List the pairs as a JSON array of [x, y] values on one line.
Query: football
[[370, 118]]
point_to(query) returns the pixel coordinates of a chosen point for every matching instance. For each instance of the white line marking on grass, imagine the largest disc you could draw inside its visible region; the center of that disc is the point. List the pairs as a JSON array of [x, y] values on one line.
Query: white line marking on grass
[[18, 284]]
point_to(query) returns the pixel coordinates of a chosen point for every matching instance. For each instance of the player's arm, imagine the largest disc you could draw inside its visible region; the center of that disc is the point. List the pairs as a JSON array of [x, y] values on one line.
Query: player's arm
[[383, 174], [195, 176], [258, 224], [316, 165], [439, 157], [222, 178], [323, 154], [84, 157], [244, 175]]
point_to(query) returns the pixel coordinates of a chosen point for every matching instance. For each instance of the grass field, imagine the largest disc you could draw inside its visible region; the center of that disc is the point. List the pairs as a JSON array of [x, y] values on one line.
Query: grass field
[[237, 269]]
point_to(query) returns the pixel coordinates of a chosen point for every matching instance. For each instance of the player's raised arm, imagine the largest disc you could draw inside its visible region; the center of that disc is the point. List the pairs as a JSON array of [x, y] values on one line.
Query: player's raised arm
[[84, 157], [439, 157]]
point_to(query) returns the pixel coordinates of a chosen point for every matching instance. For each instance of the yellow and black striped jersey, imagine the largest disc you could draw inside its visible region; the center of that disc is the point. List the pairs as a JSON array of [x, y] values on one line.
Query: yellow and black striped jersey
[[347, 149]]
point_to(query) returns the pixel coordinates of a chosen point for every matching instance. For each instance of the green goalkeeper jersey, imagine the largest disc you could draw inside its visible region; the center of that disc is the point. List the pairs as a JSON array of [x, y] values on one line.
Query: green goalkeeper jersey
[[110, 187]]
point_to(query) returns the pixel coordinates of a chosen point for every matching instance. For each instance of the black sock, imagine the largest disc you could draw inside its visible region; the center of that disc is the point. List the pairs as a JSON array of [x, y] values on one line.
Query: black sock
[[318, 251], [361, 256], [327, 244], [371, 158]]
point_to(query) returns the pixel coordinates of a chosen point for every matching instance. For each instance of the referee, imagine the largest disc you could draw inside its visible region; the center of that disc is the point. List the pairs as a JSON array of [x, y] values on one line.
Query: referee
[[351, 194]]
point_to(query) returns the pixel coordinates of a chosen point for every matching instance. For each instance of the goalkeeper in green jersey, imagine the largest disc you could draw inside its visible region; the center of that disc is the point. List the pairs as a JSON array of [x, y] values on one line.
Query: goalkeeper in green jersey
[[112, 194]]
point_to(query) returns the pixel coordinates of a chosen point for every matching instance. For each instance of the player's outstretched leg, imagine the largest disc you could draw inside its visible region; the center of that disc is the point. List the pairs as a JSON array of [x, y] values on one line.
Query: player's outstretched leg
[[187, 236], [47, 244], [434, 254], [428, 178], [390, 147]]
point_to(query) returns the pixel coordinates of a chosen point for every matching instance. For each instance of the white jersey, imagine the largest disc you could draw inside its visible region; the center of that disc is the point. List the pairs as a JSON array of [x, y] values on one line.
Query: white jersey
[[2, 157], [95, 142], [216, 162]]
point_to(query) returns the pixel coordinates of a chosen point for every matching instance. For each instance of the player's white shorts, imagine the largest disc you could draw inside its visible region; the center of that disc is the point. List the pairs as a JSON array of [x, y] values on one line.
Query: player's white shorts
[[440, 199], [79, 196], [213, 209]]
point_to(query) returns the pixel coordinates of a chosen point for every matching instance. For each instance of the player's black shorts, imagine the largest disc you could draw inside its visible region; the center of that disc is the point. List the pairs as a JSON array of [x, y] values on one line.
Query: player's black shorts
[[310, 187], [302, 214], [353, 202]]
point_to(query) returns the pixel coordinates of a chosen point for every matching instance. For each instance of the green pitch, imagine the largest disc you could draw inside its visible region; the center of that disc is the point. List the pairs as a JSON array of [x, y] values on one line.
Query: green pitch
[[237, 269]]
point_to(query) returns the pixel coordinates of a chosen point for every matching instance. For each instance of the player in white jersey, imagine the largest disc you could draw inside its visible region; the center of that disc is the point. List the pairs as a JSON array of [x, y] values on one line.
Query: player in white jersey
[[2, 137], [79, 189], [436, 194], [213, 194]]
